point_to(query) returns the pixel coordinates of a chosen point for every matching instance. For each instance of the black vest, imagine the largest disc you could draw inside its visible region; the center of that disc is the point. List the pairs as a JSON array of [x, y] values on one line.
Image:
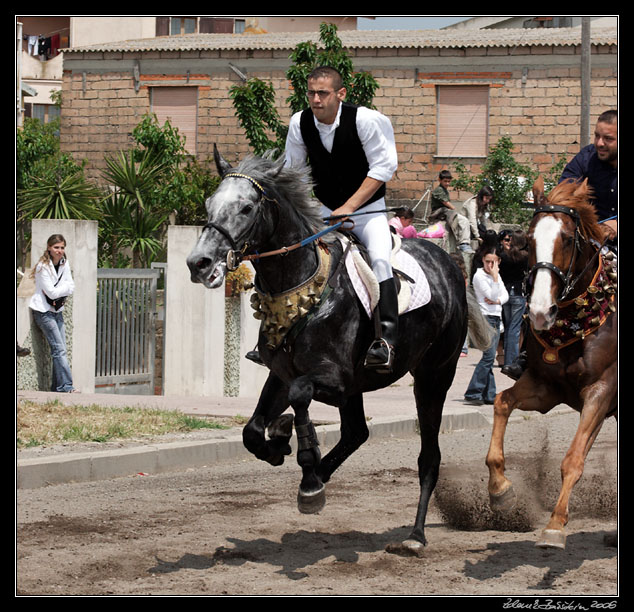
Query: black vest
[[338, 174]]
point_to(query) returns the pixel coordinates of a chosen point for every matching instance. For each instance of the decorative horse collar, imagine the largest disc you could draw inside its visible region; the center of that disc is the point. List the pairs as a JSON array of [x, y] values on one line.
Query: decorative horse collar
[[280, 313], [583, 315]]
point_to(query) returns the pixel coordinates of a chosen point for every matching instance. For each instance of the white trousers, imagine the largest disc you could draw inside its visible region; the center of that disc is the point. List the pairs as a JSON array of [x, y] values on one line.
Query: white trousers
[[373, 231]]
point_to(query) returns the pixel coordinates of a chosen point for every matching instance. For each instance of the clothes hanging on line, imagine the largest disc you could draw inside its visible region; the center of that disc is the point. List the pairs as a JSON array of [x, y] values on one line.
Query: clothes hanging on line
[[32, 45], [44, 47]]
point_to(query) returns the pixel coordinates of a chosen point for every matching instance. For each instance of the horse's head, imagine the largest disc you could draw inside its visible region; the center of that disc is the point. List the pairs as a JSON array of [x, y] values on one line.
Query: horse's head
[[236, 220], [555, 239]]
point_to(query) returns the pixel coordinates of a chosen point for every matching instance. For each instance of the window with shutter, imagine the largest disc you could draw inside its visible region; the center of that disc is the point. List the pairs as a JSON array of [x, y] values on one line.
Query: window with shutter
[[179, 105], [462, 120]]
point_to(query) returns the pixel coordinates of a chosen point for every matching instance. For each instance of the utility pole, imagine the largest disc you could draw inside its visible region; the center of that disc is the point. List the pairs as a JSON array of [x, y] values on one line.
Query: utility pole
[[586, 69]]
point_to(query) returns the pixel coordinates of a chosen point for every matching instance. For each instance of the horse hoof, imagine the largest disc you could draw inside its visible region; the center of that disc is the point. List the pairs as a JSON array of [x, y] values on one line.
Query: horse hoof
[[552, 538], [407, 548], [282, 427], [275, 460], [503, 502], [311, 503]]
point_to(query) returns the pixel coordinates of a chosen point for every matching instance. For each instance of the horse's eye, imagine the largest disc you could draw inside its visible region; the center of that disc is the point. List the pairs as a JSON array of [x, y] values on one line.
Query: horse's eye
[[246, 209]]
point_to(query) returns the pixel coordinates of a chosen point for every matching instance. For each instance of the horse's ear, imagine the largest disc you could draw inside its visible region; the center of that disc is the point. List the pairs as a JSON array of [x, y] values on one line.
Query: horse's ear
[[538, 191], [582, 190], [222, 165], [277, 165]]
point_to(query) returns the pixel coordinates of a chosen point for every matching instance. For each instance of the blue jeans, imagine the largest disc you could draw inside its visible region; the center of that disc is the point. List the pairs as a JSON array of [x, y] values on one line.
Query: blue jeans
[[482, 383], [512, 312], [52, 326]]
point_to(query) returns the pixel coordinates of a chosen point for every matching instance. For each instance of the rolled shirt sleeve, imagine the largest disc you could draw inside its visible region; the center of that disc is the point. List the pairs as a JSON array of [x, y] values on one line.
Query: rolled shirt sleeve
[[377, 137]]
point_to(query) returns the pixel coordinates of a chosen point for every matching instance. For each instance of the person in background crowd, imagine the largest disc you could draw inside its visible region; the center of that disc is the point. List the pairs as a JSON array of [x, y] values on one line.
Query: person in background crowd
[[513, 269], [489, 240], [475, 210], [444, 210], [491, 295], [402, 223]]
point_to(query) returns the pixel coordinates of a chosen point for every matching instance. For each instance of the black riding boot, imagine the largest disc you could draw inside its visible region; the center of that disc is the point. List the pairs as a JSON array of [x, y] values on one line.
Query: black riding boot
[[380, 356], [516, 369], [254, 356]]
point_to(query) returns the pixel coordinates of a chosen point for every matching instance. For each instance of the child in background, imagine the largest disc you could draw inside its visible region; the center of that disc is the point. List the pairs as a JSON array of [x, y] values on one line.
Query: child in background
[[402, 223]]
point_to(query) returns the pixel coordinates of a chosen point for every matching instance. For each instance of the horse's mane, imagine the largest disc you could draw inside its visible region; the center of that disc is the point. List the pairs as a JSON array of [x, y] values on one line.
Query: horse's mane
[[568, 193], [291, 186]]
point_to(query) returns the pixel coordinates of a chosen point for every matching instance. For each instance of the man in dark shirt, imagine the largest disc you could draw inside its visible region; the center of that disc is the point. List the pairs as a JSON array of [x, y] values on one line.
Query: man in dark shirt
[[598, 163]]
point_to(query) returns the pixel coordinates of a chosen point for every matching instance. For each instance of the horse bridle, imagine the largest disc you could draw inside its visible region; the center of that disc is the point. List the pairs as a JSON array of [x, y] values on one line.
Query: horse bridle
[[568, 283], [236, 255]]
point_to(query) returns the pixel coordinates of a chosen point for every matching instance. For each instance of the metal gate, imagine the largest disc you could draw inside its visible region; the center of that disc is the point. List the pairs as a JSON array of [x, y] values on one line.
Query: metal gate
[[126, 313]]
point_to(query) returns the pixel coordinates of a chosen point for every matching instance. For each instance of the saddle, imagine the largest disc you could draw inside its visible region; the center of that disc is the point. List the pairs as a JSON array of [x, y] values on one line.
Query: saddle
[[411, 281]]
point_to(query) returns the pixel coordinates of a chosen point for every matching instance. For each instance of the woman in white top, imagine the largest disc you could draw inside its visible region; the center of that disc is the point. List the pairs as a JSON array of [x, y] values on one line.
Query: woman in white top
[[53, 284], [491, 295]]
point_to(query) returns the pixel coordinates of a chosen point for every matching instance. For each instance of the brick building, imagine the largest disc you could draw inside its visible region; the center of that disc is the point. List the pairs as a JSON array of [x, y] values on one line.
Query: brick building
[[450, 94]]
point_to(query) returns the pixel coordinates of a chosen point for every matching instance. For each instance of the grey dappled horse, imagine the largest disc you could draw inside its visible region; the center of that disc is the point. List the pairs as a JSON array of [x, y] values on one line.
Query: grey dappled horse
[[263, 211]]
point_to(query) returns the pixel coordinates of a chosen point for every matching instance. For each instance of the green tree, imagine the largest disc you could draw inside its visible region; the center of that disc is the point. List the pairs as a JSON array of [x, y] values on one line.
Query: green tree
[[132, 219], [510, 180], [186, 183], [38, 153], [49, 183], [152, 184], [254, 100], [60, 197]]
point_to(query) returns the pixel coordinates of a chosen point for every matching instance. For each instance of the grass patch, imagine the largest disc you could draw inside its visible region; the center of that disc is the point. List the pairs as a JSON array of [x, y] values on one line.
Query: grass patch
[[45, 424]]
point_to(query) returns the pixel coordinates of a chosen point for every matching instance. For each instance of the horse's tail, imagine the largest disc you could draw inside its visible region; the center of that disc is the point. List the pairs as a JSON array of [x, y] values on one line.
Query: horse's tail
[[480, 332]]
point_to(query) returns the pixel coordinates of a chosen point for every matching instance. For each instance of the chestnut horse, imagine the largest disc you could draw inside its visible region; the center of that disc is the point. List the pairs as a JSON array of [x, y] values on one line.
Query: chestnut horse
[[572, 342]]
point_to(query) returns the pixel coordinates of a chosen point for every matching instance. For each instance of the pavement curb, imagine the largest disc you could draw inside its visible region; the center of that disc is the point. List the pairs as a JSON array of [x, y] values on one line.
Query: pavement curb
[[168, 456]]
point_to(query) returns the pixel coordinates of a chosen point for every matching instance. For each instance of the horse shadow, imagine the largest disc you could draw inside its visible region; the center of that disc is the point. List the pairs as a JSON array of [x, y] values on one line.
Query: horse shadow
[[580, 547], [296, 551]]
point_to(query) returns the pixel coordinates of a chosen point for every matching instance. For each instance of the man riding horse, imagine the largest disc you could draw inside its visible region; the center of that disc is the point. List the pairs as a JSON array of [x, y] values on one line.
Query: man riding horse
[[598, 163], [352, 154]]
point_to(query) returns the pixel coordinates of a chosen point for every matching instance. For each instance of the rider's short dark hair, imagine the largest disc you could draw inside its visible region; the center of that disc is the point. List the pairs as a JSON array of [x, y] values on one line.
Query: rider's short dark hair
[[327, 72]]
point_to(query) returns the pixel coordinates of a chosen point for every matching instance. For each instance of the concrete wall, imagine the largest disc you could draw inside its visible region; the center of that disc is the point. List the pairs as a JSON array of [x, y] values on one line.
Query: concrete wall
[[200, 358], [79, 313], [205, 334]]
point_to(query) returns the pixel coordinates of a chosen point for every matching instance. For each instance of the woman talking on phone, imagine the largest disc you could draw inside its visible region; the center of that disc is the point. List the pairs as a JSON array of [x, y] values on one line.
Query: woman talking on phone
[[53, 284]]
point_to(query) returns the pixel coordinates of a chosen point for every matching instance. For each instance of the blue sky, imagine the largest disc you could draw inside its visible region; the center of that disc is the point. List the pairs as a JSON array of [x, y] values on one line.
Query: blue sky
[[408, 22]]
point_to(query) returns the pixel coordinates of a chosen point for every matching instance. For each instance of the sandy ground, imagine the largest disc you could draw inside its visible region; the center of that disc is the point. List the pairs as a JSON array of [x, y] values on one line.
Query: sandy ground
[[234, 529]]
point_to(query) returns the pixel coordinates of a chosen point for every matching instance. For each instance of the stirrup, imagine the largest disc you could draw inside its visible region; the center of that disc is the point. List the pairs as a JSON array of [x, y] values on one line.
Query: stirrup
[[385, 365]]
